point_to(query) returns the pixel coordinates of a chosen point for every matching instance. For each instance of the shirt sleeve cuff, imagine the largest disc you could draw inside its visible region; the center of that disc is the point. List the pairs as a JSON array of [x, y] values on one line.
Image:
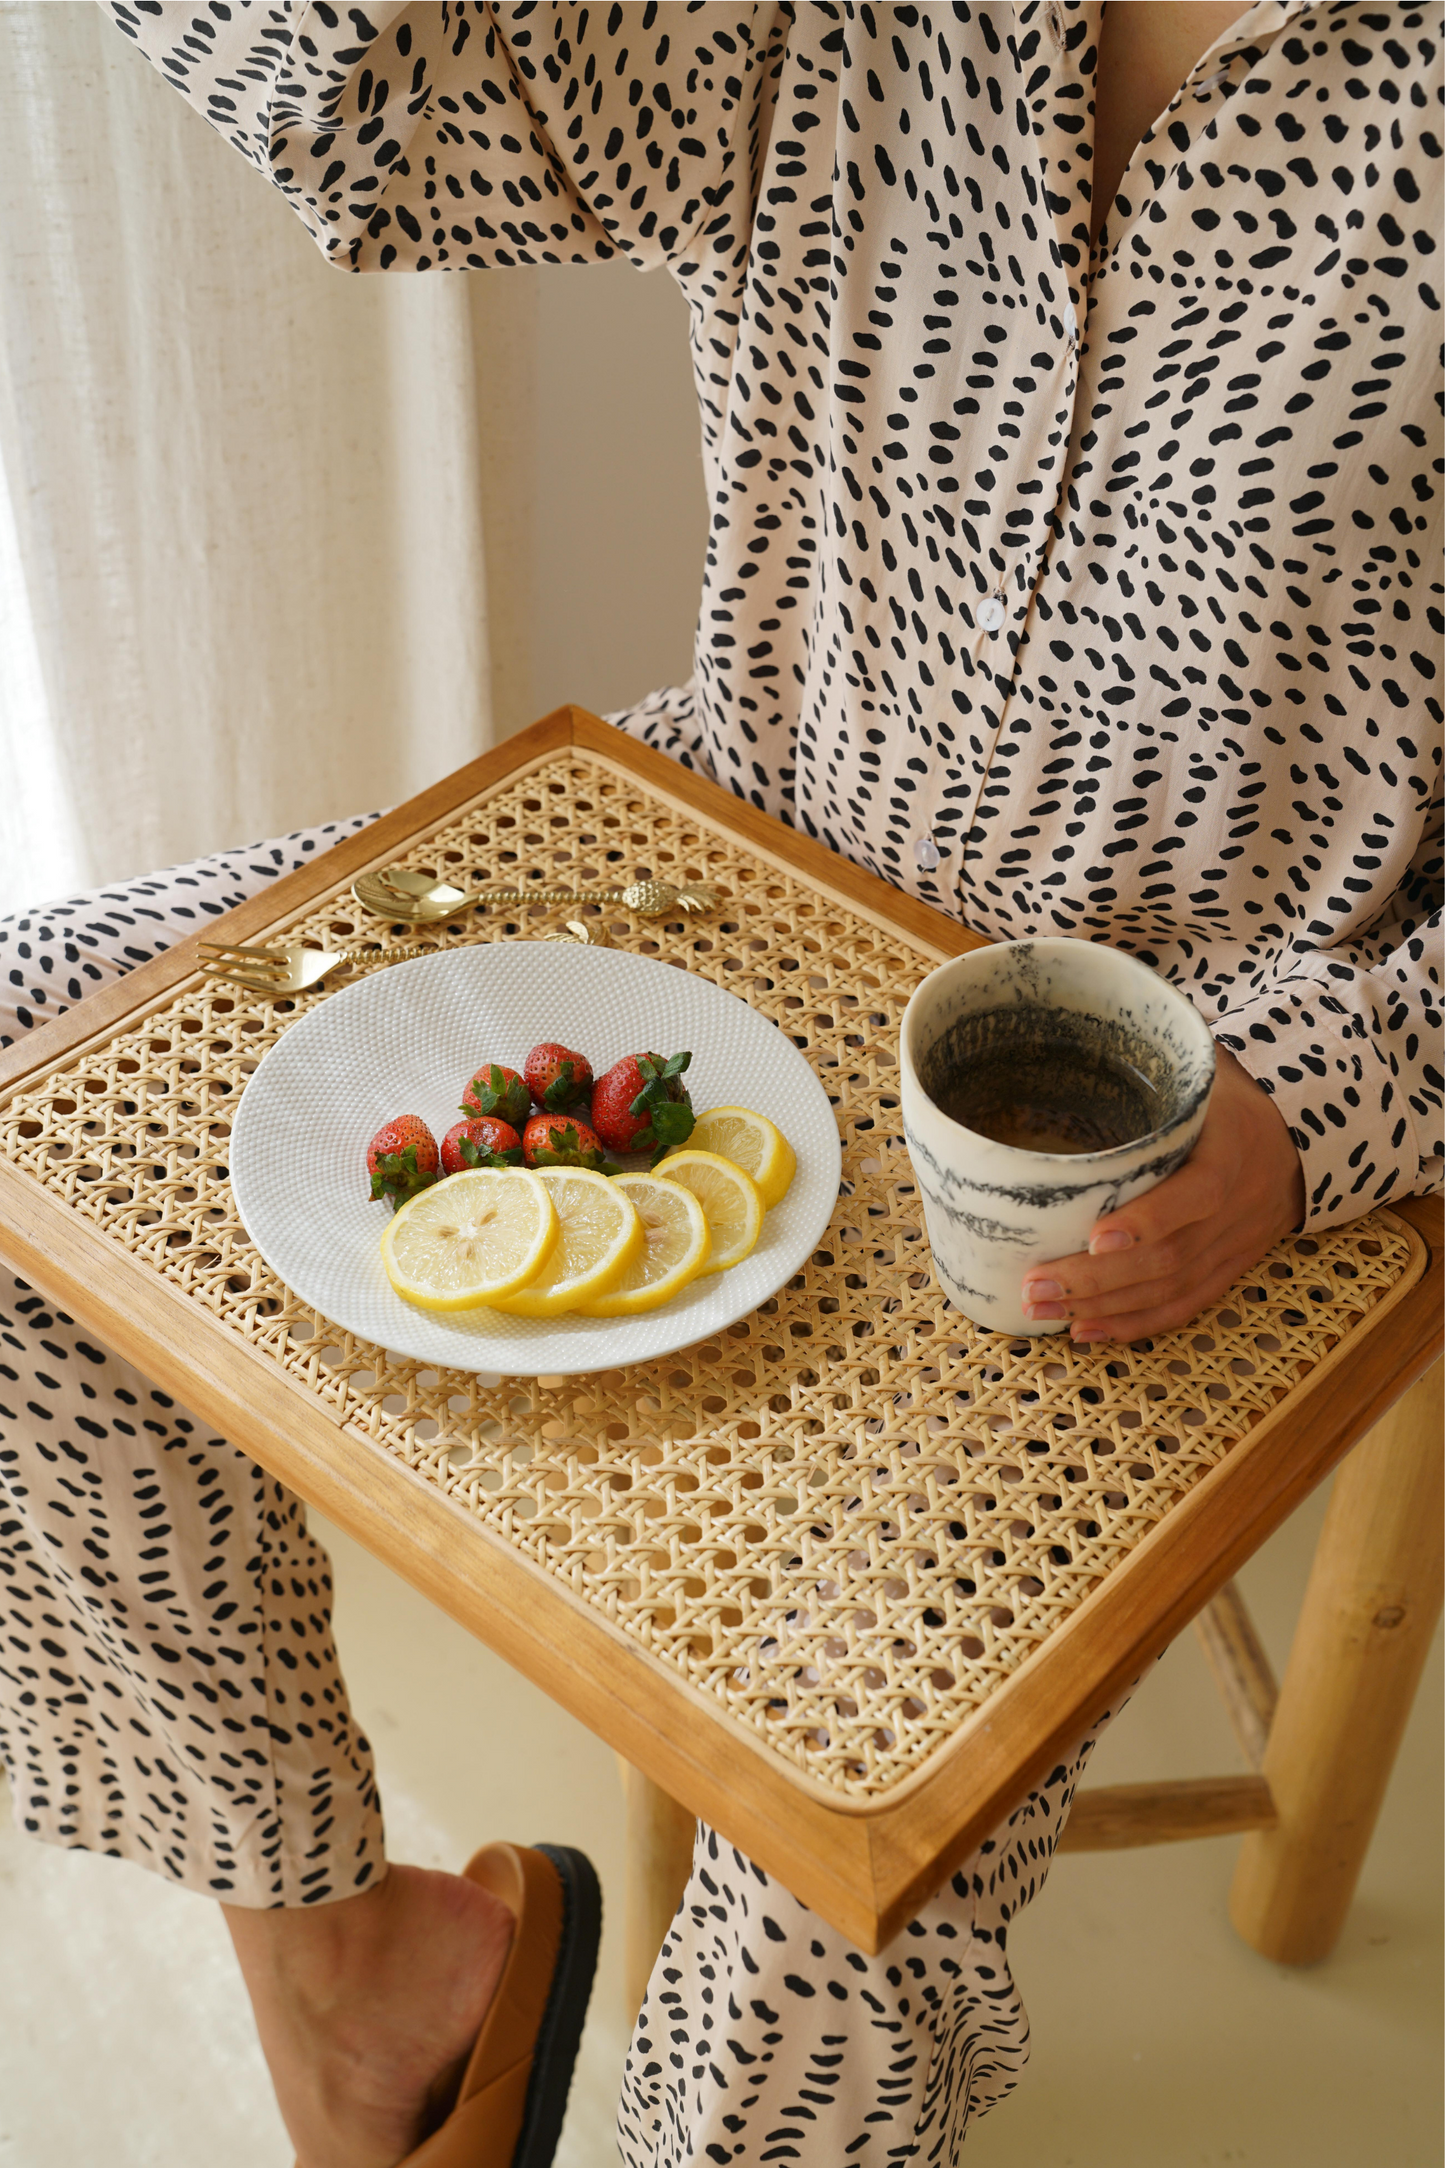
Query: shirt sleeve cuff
[[1339, 1089]]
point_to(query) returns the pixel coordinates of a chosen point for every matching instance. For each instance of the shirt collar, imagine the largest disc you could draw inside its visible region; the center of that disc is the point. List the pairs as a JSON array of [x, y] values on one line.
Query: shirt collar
[[1255, 26]]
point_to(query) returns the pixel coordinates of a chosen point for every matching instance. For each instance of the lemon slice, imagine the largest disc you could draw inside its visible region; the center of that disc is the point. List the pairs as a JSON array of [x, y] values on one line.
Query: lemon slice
[[731, 1199], [676, 1245], [466, 1241], [599, 1234], [751, 1142]]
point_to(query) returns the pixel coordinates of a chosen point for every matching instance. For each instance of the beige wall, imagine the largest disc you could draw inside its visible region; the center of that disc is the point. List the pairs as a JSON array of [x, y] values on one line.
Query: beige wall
[[593, 507]]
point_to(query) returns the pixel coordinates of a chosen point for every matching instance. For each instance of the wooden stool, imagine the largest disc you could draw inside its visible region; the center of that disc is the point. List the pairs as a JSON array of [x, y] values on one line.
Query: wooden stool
[[849, 1576], [1322, 1747]]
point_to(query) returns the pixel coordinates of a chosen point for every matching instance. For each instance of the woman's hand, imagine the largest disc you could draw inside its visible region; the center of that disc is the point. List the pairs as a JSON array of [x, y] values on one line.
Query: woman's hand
[[1159, 1261]]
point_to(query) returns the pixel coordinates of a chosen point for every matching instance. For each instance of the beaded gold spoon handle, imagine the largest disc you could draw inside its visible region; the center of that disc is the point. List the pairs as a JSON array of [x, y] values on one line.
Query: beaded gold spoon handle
[[396, 894]]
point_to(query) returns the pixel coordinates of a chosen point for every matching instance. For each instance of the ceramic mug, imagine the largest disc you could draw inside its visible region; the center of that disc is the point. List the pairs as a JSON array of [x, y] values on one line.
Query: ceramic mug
[[993, 1208]]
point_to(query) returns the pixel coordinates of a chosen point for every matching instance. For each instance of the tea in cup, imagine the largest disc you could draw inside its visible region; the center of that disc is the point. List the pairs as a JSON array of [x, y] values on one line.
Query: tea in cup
[[1045, 1083]]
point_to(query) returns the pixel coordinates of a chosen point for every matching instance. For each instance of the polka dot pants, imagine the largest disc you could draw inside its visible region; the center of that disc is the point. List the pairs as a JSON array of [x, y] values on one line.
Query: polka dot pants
[[169, 1692], [766, 2037]]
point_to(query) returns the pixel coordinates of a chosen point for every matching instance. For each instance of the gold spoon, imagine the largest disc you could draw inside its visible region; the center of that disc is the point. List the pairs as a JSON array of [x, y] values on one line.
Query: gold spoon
[[394, 893]]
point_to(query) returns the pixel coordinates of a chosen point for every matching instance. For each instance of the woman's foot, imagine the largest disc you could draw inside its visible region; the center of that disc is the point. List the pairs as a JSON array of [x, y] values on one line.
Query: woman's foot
[[367, 2009]]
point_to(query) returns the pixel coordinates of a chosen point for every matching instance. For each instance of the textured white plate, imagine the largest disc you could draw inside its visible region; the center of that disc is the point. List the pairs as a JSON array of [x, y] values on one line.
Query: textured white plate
[[408, 1039]]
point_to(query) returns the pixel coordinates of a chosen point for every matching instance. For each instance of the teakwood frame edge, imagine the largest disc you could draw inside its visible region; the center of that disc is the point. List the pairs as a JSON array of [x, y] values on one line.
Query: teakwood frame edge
[[867, 1870]]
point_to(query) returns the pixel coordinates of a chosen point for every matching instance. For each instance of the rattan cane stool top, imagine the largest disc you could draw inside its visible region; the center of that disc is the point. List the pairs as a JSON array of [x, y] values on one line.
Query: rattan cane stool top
[[848, 1518]]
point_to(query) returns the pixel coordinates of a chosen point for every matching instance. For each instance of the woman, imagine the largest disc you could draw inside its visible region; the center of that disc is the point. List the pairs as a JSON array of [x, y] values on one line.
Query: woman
[[1065, 378]]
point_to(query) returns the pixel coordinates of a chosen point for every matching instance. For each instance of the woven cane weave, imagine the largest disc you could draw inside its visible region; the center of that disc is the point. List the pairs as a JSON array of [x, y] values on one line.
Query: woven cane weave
[[849, 1517]]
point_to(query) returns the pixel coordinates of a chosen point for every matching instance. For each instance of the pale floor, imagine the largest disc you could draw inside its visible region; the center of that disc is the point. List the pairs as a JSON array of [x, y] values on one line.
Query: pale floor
[[1160, 2041]]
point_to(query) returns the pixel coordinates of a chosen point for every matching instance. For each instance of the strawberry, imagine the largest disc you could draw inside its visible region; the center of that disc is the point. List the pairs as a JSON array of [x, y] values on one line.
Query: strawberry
[[402, 1159], [556, 1077], [499, 1091], [560, 1140], [485, 1142], [641, 1105]]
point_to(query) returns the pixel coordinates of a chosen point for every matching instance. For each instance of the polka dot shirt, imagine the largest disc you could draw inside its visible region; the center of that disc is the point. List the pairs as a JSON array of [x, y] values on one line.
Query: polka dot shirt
[[1088, 591]]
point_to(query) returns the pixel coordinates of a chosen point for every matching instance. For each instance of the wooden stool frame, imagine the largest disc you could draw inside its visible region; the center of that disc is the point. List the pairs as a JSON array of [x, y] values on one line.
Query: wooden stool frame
[[1321, 1754]]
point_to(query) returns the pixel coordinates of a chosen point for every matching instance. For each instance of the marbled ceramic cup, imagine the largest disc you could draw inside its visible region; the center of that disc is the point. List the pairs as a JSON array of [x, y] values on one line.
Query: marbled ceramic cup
[[993, 1209]]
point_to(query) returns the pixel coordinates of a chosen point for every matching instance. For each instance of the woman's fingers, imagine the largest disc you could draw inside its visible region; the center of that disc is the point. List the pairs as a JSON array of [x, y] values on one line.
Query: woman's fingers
[[1206, 1274], [1190, 1280], [1154, 1245], [1149, 1247], [1163, 1309], [1150, 1238], [1193, 1193], [1159, 1260]]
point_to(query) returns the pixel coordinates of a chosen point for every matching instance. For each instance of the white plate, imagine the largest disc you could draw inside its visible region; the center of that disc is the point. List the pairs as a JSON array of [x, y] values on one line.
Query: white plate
[[408, 1039]]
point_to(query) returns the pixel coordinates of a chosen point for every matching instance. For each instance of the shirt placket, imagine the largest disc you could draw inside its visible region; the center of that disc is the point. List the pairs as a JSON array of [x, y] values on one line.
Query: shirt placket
[[1007, 572], [1062, 173]]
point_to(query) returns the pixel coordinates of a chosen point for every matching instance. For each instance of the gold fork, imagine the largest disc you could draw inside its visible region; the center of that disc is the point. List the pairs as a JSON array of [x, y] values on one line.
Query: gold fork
[[288, 967]]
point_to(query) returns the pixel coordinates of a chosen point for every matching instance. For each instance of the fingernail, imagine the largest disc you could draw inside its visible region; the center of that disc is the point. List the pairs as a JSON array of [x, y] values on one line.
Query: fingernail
[[1113, 1238], [1037, 1311], [1043, 1291], [1085, 1335]]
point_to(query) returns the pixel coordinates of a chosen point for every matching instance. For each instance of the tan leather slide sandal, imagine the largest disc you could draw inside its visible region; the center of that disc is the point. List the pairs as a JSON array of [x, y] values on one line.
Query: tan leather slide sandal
[[513, 2094]]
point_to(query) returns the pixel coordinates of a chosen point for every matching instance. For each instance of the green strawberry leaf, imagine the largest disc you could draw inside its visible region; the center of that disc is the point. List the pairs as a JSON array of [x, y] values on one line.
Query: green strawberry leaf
[[541, 1157], [398, 1177], [476, 1155], [673, 1122], [562, 1090], [487, 1098], [564, 1148], [659, 1076]]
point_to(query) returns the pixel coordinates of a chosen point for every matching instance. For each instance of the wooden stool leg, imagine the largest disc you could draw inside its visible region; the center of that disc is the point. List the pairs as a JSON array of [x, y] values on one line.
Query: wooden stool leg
[[659, 1861], [1369, 1613]]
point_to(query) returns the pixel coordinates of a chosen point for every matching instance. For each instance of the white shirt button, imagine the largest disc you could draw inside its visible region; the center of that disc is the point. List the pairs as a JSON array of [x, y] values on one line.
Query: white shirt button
[[1071, 323], [991, 614]]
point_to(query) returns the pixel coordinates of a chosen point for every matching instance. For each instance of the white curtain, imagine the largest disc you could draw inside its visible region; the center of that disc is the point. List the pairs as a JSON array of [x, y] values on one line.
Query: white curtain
[[241, 572]]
